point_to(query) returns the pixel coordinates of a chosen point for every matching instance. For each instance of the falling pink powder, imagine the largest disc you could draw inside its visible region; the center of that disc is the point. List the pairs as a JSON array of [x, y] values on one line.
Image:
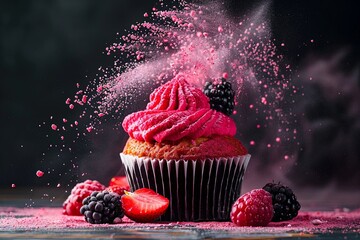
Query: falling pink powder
[[53, 127], [199, 41], [84, 99], [39, 173]]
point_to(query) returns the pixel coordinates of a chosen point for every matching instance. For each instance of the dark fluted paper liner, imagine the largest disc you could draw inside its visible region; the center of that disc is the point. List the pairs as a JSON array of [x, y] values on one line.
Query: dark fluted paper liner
[[198, 190]]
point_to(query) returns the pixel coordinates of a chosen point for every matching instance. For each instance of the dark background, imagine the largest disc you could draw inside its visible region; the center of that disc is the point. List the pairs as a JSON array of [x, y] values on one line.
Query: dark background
[[48, 46]]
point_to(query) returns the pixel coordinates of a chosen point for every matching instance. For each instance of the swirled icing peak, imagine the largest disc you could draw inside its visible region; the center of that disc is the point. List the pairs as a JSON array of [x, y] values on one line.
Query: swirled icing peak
[[177, 94], [177, 110]]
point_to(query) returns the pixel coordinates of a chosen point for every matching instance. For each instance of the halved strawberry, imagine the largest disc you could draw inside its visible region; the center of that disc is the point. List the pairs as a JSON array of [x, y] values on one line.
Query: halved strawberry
[[119, 181], [144, 205]]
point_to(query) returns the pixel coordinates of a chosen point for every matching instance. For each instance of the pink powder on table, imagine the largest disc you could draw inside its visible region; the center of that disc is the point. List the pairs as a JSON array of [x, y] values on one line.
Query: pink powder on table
[[52, 218]]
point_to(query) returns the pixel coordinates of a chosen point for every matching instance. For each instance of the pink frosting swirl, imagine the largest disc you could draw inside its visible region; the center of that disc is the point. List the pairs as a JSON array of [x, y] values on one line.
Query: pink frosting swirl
[[177, 110]]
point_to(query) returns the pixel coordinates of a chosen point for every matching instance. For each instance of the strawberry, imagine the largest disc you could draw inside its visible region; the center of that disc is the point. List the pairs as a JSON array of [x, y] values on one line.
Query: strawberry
[[144, 205], [117, 189], [119, 181], [252, 209]]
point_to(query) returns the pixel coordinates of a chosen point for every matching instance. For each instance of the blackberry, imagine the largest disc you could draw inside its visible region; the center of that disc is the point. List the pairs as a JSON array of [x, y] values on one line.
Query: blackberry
[[284, 201], [221, 96], [102, 207]]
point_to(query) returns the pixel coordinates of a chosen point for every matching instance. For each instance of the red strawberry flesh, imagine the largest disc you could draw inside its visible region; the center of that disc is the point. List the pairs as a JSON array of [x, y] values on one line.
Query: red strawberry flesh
[[144, 205]]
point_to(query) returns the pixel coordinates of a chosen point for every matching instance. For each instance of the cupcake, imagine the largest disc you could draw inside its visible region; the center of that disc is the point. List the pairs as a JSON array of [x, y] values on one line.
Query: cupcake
[[185, 151]]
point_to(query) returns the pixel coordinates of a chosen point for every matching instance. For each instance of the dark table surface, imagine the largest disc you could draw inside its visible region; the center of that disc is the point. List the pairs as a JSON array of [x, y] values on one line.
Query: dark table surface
[[27, 214]]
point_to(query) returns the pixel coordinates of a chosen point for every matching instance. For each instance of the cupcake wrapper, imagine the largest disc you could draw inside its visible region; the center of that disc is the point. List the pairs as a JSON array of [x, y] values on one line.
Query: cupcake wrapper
[[198, 190]]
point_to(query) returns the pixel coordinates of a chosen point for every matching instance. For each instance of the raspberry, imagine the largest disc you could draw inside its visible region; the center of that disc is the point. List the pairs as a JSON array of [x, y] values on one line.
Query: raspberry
[[285, 204], [102, 207], [73, 203], [221, 96], [252, 209]]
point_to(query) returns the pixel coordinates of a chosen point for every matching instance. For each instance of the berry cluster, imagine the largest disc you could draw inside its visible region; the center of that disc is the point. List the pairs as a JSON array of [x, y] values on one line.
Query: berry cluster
[[102, 207], [221, 96], [105, 206], [275, 202]]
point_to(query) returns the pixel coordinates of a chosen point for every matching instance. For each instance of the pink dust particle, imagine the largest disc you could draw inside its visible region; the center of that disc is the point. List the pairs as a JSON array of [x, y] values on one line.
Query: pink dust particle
[[220, 29], [84, 99], [312, 40], [58, 185], [13, 185], [39, 173], [225, 75], [277, 139], [199, 34], [317, 222], [68, 100], [146, 14], [76, 123], [252, 143], [269, 145], [263, 100], [53, 127], [71, 106], [64, 120], [77, 85], [101, 114], [251, 106], [62, 137], [258, 126], [283, 44], [99, 89], [89, 129], [286, 157]]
